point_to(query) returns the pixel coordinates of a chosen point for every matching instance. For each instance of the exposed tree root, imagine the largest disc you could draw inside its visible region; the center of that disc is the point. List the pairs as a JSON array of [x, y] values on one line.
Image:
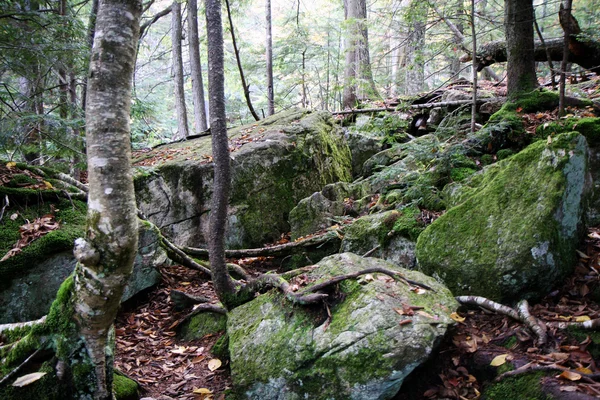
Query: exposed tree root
[[591, 324], [535, 325], [534, 367], [19, 325], [489, 305], [415, 106], [281, 250]]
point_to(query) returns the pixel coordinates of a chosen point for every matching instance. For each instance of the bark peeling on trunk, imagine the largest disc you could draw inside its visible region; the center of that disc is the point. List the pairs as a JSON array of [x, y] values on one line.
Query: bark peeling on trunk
[[105, 257]]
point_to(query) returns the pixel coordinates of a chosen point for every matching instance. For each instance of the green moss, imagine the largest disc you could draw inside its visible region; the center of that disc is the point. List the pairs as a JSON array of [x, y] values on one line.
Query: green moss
[[588, 127], [408, 224], [522, 387], [49, 387], [203, 324], [487, 159], [472, 246], [460, 174], [72, 218], [125, 388], [582, 334], [221, 347], [504, 153], [510, 343]]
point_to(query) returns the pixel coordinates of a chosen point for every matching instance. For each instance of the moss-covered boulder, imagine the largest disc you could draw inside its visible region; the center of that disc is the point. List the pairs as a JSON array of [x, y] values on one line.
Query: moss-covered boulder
[[29, 280], [364, 351], [388, 235], [275, 163], [515, 229]]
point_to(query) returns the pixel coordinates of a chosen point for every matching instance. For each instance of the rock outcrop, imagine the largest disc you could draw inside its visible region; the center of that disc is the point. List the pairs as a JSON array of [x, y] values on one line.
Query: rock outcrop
[[372, 341]]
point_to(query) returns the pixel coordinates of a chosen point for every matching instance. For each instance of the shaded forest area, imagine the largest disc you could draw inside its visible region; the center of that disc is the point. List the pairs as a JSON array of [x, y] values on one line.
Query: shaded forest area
[[388, 120]]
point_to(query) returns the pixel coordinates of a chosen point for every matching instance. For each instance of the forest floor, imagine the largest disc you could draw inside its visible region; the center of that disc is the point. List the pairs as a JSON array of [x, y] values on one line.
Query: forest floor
[[149, 351]]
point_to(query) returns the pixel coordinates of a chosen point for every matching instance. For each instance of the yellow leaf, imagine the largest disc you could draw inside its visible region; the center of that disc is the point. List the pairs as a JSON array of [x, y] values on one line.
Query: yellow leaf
[[214, 364], [10, 164], [179, 350], [499, 360], [584, 370], [202, 391], [570, 375], [27, 379], [457, 317], [582, 318], [48, 185]]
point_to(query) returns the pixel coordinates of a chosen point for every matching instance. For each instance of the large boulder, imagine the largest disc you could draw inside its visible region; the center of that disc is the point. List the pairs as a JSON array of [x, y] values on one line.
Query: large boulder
[[275, 163], [517, 224], [372, 341]]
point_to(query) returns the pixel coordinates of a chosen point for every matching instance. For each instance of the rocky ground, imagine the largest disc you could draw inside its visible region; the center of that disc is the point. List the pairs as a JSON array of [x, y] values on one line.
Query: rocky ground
[[149, 351]]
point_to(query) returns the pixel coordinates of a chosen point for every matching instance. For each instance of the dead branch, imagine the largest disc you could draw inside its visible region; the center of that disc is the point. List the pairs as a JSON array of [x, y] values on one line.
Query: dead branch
[[273, 251], [591, 324], [415, 106], [538, 327], [19, 325], [177, 255], [584, 53]]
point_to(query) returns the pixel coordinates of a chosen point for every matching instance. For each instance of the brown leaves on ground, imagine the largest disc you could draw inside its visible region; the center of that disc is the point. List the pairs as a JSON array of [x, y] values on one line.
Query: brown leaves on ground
[[149, 351], [31, 231], [9, 170], [485, 338]]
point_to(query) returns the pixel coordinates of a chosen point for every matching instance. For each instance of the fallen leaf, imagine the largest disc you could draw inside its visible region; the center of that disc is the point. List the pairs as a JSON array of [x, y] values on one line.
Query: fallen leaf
[[214, 364], [584, 370], [570, 375], [202, 391], [499, 360], [457, 317], [568, 388], [28, 379]]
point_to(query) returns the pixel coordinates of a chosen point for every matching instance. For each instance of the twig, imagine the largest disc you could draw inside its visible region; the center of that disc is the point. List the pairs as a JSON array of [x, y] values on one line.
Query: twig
[[591, 324], [6, 204], [530, 367], [18, 368], [373, 250]]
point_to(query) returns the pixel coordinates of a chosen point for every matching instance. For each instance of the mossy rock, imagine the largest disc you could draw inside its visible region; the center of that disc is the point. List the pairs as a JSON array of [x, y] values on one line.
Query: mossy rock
[[201, 325], [284, 351], [516, 225], [125, 388], [278, 162], [526, 386]]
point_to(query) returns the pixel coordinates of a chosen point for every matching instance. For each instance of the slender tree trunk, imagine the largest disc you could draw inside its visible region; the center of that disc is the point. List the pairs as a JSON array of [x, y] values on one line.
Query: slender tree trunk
[[239, 64], [566, 13], [269, 46], [105, 256], [91, 32], [474, 35], [415, 68], [518, 24], [222, 176], [200, 124], [177, 72]]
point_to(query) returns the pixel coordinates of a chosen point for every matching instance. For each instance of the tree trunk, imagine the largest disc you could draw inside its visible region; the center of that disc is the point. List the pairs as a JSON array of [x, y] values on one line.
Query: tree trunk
[[518, 25], [105, 257], [239, 63], [474, 35], [220, 146], [200, 124], [415, 69], [568, 27], [177, 72], [358, 78], [269, 46]]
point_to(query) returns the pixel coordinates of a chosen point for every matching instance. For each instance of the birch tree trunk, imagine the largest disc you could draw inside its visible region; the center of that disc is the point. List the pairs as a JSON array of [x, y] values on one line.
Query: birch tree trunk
[[177, 72], [105, 257], [200, 124]]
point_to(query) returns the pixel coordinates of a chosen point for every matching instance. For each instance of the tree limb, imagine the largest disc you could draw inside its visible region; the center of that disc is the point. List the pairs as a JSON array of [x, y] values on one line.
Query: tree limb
[[18, 325]]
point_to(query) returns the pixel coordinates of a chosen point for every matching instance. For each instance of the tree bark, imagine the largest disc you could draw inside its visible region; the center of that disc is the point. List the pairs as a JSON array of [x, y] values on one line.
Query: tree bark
[[239, 63], [569, 27], [200, 124], [177, 72], [414, 66], [105, 257], [220, 146], [269, 50], [358, 77], [518, 25]]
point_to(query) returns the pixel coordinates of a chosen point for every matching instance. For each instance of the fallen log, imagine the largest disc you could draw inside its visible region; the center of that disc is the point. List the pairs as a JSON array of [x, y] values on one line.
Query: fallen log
[[585, 53], [417, 106]]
